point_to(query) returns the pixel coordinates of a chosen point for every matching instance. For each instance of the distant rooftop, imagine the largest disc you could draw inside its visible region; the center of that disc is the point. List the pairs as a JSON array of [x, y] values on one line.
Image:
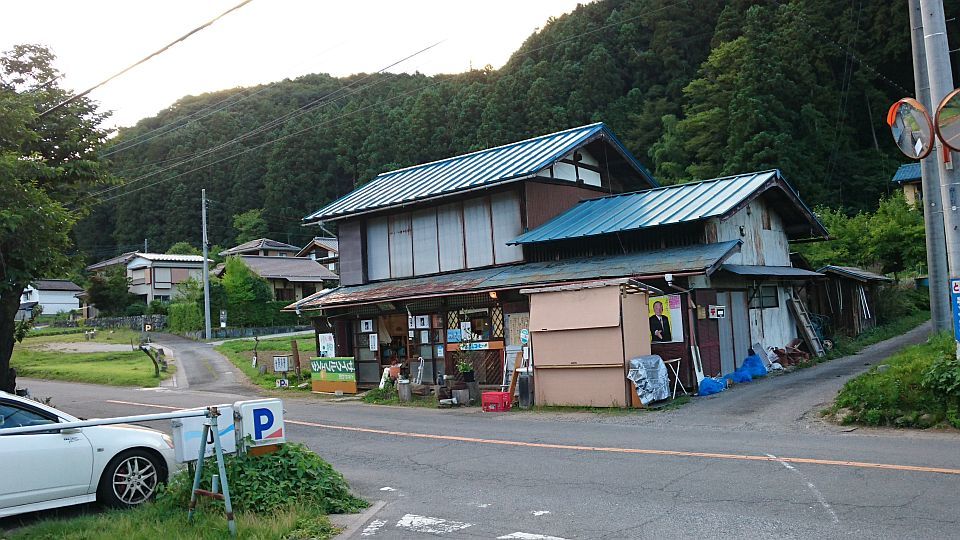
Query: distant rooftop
[[169, 257], [121, 259], [909, 172], [55, 285], [257, 245], [289, 268]]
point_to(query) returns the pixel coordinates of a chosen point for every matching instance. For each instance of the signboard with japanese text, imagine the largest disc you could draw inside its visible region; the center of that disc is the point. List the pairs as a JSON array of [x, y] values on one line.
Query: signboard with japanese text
[[333, 374], [955, 302]]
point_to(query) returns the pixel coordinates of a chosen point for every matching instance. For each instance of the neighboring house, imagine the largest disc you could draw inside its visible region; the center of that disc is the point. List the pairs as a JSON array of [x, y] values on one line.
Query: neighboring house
[[908, 178], [441, 257], [25, 311], [118, 261], [848, 298], [290, 278], [155, 276], [54, 295], [324, 250], [262, 247]]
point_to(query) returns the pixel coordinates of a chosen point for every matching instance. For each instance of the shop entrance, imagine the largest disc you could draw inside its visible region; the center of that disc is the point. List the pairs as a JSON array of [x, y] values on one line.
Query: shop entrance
[[393, 336]]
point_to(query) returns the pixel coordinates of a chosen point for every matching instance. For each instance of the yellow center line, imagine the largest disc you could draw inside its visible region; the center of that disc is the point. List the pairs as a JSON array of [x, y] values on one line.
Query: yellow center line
[[608, 449]]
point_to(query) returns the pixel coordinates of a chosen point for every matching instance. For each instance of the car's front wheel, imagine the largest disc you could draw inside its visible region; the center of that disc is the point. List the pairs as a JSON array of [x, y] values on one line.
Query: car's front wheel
[[130, 478]]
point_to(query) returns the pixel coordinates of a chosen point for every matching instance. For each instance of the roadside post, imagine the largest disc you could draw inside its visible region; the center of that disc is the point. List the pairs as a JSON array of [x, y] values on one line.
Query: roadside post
[[209, 429], [295, 351]]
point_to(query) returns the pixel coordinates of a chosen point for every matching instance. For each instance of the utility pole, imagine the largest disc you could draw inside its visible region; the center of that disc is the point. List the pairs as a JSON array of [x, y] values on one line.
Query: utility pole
[[930, 183], [145, 250], [937, 52], [206, 268]]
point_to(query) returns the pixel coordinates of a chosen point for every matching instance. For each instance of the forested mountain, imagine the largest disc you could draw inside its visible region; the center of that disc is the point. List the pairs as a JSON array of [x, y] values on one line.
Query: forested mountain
[[696, 89]]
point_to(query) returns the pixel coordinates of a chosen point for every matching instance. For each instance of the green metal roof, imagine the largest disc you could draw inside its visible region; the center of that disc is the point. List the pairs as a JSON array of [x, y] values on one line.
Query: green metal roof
[[502, 164]]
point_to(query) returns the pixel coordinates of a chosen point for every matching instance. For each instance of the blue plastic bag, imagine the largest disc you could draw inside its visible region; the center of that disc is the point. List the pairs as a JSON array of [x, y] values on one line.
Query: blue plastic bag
[[710, 385], [753, 365], [738, 376]]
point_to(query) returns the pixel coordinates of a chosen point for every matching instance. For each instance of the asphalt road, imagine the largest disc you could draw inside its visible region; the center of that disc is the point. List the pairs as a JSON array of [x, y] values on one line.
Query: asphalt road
[[753, 462]]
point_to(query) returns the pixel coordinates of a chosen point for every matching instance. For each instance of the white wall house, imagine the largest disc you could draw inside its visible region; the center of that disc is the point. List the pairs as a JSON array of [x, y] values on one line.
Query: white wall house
[[54, 295], [156, 276]]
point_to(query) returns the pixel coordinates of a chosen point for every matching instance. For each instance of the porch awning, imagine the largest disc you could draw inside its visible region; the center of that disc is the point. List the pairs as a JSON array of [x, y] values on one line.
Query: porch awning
[[771, 272], [702, 258]]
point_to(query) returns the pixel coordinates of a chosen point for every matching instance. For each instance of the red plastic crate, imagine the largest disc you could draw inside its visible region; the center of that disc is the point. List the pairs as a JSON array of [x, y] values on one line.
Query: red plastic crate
[[495, 401]]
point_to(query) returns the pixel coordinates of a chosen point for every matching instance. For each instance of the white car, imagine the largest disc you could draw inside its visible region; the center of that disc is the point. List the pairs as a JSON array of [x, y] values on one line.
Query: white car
[[119, 465]]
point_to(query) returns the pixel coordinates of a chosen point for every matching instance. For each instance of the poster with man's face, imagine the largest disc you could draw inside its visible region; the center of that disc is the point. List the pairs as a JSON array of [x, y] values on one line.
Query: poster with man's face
[[666, 319]]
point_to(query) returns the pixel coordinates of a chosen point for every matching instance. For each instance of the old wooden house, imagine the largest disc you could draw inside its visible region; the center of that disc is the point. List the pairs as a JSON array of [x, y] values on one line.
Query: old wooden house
[[433, 257]]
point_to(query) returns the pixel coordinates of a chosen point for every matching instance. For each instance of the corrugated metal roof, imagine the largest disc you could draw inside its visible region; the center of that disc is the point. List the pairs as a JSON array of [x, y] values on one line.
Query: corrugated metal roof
[[170, 257], [853, 272], [121, 259], [697, 258], [909, 172], [656, 207], [770, 271], [485, 167]]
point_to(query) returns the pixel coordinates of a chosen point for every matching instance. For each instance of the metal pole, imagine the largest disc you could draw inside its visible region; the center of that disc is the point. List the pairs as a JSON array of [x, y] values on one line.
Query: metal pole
[[930, 184], [206, 269], [199, 469], [228, 506], [102, 422]]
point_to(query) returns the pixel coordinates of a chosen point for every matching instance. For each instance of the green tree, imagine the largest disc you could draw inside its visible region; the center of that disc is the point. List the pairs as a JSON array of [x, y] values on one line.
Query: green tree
[[110, 292], [48, 166], [250, 225], [245, 292], [183, 248]]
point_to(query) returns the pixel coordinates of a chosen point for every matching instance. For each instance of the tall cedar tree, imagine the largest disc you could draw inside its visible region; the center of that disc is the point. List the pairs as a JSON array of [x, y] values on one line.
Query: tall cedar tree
[[48, 165]]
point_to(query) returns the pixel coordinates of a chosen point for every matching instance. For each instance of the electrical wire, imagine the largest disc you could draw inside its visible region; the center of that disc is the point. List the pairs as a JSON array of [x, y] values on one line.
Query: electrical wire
[[163, 49], [272, 123], [403, 94]]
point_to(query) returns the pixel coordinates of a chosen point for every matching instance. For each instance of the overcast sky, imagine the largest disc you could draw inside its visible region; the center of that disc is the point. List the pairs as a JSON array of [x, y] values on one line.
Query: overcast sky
[[266, 40]]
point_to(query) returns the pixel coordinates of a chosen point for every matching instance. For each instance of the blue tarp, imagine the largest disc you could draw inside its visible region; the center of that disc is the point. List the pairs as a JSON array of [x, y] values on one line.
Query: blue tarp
[[711, 385]]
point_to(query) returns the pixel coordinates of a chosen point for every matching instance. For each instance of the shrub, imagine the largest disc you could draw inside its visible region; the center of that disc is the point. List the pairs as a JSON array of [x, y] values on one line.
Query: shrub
[[134, 310], [291, 476], [184, 317]]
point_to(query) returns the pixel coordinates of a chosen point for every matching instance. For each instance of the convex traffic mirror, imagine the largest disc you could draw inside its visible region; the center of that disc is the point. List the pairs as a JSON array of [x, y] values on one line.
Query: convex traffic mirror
[[911, 127], [948, 120]]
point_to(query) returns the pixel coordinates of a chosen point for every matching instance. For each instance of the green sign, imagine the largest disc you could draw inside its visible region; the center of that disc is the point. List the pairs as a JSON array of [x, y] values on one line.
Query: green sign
[[333, 369]]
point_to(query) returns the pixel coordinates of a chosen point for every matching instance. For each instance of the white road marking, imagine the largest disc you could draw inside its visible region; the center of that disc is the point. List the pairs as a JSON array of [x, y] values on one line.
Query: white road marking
[[484, 505], [373, 527], [431, 525], [387, 488], [540, 512], [528, 536], [813, 489]]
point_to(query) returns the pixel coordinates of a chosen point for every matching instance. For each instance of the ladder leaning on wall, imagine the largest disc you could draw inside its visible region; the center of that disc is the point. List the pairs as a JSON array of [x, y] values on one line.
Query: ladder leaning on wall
[[807, 331]]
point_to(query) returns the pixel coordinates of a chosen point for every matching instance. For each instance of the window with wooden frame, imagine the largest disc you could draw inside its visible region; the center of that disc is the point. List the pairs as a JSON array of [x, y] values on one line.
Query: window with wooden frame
[[764, 296]]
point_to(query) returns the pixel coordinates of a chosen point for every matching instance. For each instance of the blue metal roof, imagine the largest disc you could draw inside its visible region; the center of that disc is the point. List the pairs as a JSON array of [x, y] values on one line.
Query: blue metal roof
[[908, 172], [663, 206], [704, 258], [513, 161]]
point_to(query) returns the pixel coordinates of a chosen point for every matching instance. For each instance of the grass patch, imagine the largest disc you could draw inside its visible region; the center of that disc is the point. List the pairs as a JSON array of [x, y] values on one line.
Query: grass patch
[[284, 495], [240, 353], [113, 368], [906, 393], [389, 396], [152, 521]]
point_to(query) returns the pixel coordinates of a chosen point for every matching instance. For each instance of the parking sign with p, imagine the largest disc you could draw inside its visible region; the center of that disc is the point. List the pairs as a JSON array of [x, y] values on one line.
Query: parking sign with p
[[262, 421]]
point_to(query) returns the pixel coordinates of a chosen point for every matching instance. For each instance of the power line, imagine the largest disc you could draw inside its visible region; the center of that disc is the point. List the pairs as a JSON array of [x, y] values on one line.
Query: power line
[[403, 94], [143, 137], [75, 97], [270, 124]]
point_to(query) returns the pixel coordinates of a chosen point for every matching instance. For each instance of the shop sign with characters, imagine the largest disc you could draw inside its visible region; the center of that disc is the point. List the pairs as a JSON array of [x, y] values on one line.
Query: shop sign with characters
[[666, 319]]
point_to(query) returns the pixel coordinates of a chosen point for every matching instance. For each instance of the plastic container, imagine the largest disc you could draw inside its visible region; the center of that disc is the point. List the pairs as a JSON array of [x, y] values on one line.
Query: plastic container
[[495, 401]]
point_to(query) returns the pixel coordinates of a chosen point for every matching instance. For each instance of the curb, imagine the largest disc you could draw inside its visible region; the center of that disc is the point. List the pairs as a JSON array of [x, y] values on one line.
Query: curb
[[352, 523]]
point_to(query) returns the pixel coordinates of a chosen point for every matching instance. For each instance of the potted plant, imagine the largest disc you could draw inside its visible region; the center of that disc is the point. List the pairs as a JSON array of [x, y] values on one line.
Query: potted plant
[[465, 367]]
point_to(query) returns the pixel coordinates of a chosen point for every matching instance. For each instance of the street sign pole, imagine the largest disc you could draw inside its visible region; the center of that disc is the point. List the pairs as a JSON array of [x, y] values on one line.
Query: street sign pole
[[937, 52]]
